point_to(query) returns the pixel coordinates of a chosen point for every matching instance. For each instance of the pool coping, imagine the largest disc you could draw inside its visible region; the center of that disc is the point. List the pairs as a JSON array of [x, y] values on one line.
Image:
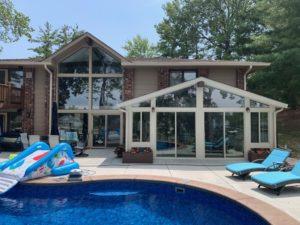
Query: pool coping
[[270, 213]]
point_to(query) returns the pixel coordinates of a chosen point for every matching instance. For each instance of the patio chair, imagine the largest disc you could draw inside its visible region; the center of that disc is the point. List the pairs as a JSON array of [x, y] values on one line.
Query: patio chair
[[53, 140], [24, 140], [33, 139], [278, 180], [79, 149], [275, 160]]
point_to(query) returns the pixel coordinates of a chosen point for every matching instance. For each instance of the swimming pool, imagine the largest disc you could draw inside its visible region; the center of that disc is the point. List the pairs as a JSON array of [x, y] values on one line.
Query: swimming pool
[[121, 202]]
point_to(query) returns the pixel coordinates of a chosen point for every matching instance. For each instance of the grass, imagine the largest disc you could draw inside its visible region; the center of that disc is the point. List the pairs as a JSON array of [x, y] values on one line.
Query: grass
[[290, 138]]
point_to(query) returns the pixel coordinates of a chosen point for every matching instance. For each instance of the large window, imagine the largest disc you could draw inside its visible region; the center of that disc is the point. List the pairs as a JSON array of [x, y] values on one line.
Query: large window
[[103, 63], [182, 98], [76, 63], [141, 127], [107, 92], [215, 98], [259, 127], [73, 93], [165, 134], [180, 76], [224, 131]]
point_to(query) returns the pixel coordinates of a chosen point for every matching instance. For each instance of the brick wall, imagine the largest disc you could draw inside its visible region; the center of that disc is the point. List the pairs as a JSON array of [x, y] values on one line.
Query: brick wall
[[128, 83], [163, 78], [28, 108], [203, 72], [240, 78]]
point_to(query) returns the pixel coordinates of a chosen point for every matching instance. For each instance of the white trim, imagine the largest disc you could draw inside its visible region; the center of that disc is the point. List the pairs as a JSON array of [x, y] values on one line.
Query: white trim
[[208, 82]]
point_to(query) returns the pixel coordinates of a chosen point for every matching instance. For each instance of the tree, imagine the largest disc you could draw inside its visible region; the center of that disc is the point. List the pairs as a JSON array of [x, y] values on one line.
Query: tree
[[50, 39], [140, 47], [219, 29], [67, 33], [279, 44], [13, 24], [47, 40]]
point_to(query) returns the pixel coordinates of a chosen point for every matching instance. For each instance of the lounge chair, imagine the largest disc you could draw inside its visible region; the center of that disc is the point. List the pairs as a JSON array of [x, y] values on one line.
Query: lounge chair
[[274, 161], [278, 180], [33, 139], [53, 140]]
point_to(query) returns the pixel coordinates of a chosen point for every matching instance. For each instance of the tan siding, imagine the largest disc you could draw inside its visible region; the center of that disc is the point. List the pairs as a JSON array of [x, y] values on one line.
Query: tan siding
[[145, 81], [40, 119], [223, 75]]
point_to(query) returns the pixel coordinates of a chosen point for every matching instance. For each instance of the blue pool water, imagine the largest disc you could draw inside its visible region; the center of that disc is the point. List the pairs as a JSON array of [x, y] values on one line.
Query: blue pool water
[[120, 202]]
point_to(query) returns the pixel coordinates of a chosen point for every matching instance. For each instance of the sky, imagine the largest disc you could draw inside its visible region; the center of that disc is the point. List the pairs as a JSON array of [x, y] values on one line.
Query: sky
[[112, 21]]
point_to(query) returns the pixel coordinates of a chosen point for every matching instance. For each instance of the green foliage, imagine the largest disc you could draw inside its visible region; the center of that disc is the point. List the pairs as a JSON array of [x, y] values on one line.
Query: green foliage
[[50, 39], [140, 47], [279, 44], [13, 24], [219, 29]]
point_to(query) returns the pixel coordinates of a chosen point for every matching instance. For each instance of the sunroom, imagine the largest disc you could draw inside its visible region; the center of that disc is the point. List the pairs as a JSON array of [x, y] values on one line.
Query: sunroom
[[201, 119]]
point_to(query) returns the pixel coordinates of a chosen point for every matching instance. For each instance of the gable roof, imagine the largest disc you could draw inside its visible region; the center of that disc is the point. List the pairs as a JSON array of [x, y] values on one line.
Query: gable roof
[[82, 37], [208, 82]]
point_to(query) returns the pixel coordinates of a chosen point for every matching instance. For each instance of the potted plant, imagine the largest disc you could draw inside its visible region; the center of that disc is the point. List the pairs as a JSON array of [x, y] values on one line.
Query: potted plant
[[138, 155]]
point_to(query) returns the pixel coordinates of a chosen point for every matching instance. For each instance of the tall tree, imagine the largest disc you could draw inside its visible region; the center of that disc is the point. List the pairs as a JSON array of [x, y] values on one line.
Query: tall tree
[[67, 34], [140, 47], [13, 24], [219, 29], [279, 44], [47, 40]]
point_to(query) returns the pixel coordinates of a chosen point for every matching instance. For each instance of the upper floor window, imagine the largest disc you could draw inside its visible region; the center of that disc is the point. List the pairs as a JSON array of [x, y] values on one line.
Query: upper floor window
[[16, 78], [103, 63], [76, 63], [180, 76]]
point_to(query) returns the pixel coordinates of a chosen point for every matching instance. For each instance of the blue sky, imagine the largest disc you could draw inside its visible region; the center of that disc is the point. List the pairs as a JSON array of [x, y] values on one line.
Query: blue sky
[[112, 21]]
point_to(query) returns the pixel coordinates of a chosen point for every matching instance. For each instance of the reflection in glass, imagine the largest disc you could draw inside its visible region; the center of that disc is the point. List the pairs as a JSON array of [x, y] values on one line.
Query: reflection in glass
[[215, 98], [145, 126], [142, 104], [16, 78], [182, 98], [76, 63], [264, 127], [214, 136], [103, 63], [73, 123], [14, 121], [107, 92], [186, 134], [99, 131], [165, 139], [136, 126], [254, 127], [254, 104], [177, 77], [234, 133], [72, 93], [113, 130]]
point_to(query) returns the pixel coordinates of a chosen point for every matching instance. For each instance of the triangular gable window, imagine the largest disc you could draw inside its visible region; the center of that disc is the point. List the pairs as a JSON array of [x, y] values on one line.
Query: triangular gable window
[[104, 63], [76, 63]]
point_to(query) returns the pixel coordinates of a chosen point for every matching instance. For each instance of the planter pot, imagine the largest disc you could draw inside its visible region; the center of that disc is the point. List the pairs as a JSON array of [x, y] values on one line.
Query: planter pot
[[255, 154], [141, 157]]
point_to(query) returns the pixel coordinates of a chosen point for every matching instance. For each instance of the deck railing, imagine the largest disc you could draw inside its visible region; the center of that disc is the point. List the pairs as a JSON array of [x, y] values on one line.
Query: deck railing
[[10, 95]]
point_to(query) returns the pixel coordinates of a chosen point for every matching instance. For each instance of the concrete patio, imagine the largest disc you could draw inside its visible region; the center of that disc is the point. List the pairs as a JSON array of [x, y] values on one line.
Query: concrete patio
[[104, 162]]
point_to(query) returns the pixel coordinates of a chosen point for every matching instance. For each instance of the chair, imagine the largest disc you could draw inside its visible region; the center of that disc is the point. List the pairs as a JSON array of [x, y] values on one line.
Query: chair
[[33, 139], [274, 161], [53, 140], [24, 140], [278, 180], [79, 149]]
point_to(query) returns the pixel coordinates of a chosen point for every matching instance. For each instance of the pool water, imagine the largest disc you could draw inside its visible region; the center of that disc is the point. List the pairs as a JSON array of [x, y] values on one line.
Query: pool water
[[121, 202]]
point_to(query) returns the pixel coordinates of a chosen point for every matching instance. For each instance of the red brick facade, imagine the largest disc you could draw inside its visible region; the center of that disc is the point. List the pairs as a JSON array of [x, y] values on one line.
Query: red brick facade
[[240, 76], [128, 83], [28, 109], [163, 78]]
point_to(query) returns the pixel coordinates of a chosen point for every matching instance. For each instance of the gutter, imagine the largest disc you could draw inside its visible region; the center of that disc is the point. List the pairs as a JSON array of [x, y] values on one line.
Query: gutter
[[50, 97], [245, 76], [275, 124]]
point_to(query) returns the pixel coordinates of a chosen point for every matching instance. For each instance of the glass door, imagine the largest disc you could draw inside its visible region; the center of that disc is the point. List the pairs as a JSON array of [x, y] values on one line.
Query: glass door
[[2, 123], [99, 139], [106, 130]]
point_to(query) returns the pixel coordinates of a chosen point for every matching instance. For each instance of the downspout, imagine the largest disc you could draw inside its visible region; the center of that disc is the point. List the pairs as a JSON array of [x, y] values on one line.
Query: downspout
[[245, 77], [50, 97], [275, 124]]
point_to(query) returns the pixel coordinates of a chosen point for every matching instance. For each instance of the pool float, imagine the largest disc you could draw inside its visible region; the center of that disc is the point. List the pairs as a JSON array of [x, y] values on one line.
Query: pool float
[[36, 161]]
